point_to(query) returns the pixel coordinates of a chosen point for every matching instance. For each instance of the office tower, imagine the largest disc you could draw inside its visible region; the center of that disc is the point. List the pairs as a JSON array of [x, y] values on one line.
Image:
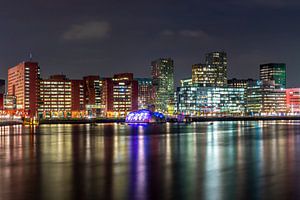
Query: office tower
[[55, 96], [61, 97], [92, 95], [23, 82], [210, 101], [162, 71], [145, 92], [264, 99], [213, 73], [239, 83], [119, 95], [274, 72], [219, 61], [205, 75]]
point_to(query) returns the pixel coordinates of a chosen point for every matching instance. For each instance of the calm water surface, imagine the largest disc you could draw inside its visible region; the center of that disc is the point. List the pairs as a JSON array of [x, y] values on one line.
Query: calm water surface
[[225, 160]]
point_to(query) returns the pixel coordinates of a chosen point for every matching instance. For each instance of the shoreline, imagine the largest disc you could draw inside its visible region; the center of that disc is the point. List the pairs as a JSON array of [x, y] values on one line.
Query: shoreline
[[248, 118], [171, 120]]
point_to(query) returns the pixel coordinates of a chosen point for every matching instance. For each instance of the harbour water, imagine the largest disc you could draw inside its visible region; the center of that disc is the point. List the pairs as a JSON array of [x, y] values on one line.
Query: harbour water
[[223, 160]]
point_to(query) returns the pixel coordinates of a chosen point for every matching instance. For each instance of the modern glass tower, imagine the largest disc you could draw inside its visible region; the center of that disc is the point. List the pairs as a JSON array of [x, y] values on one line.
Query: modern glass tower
[[162, 71], [274, 72], [213, 73], [219, 61]]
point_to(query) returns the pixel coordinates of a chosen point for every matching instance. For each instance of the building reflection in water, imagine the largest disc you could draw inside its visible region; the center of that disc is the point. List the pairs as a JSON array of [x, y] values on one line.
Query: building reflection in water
[[232, 160]]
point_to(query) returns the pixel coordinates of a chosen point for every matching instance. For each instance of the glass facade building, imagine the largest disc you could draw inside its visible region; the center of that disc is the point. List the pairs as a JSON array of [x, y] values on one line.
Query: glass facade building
[[210, 101], [274, 72], [264, 99], [145, 92], [213, 73], [162, 71]]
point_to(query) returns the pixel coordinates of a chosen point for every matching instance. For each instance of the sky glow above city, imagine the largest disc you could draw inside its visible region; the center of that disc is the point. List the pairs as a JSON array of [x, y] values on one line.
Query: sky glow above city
[[106, 37]]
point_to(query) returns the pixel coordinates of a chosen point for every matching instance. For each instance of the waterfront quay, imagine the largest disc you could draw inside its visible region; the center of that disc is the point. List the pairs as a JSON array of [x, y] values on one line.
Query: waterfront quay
[[169, 120]]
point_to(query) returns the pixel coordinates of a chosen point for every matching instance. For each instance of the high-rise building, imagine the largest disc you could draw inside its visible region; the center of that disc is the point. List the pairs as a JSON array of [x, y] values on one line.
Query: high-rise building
[[2, 86], [23, 82], [263, 98], [145, 92], [213, 73], [205, 75], [119, 95], [162, 71], [219, 61], [274, 72]]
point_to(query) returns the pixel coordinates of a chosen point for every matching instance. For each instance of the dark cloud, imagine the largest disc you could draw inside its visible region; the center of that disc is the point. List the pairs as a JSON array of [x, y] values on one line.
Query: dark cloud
[[88, 31]]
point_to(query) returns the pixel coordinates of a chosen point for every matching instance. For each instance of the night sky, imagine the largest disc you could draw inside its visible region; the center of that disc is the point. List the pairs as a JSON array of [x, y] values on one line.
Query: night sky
[[79, 38]]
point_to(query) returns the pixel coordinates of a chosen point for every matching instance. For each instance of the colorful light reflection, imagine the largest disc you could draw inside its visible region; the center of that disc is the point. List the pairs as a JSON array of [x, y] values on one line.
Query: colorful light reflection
[[144, 116]]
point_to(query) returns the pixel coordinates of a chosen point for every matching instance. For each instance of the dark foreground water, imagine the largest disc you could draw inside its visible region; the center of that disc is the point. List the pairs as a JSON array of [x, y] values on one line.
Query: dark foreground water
[[225, 160]]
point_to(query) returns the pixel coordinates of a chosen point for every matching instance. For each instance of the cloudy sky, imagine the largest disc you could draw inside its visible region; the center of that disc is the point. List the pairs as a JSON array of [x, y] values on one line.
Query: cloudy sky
[[105, 37]]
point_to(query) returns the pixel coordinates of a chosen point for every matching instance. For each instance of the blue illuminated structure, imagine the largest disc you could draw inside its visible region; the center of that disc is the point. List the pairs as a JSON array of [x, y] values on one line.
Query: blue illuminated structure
[[145, 116]]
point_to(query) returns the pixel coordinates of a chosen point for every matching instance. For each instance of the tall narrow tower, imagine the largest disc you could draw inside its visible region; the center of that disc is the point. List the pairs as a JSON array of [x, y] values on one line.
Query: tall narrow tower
[[23, 83], [218, 60], [163, 82]]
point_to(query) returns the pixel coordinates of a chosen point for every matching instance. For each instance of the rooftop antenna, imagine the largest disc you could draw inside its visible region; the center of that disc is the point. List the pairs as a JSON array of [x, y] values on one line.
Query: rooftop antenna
[[30, 56]]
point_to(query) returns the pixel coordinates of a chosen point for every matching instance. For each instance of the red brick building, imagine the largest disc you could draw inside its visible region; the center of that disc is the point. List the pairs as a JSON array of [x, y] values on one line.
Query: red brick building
[[77, 98], [120, 95], [23, 83]]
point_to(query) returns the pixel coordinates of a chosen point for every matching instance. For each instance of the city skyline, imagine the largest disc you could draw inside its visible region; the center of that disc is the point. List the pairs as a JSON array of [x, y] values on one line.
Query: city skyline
[[207, 93], [147, 74], [107, 37]]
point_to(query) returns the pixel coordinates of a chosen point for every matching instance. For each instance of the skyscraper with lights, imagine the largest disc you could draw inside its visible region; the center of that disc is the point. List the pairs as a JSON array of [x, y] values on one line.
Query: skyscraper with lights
[[162, 71], [274, 72]]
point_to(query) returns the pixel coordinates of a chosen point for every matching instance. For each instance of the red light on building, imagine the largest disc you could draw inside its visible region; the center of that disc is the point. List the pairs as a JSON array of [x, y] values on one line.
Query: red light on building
[[293, 101]]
